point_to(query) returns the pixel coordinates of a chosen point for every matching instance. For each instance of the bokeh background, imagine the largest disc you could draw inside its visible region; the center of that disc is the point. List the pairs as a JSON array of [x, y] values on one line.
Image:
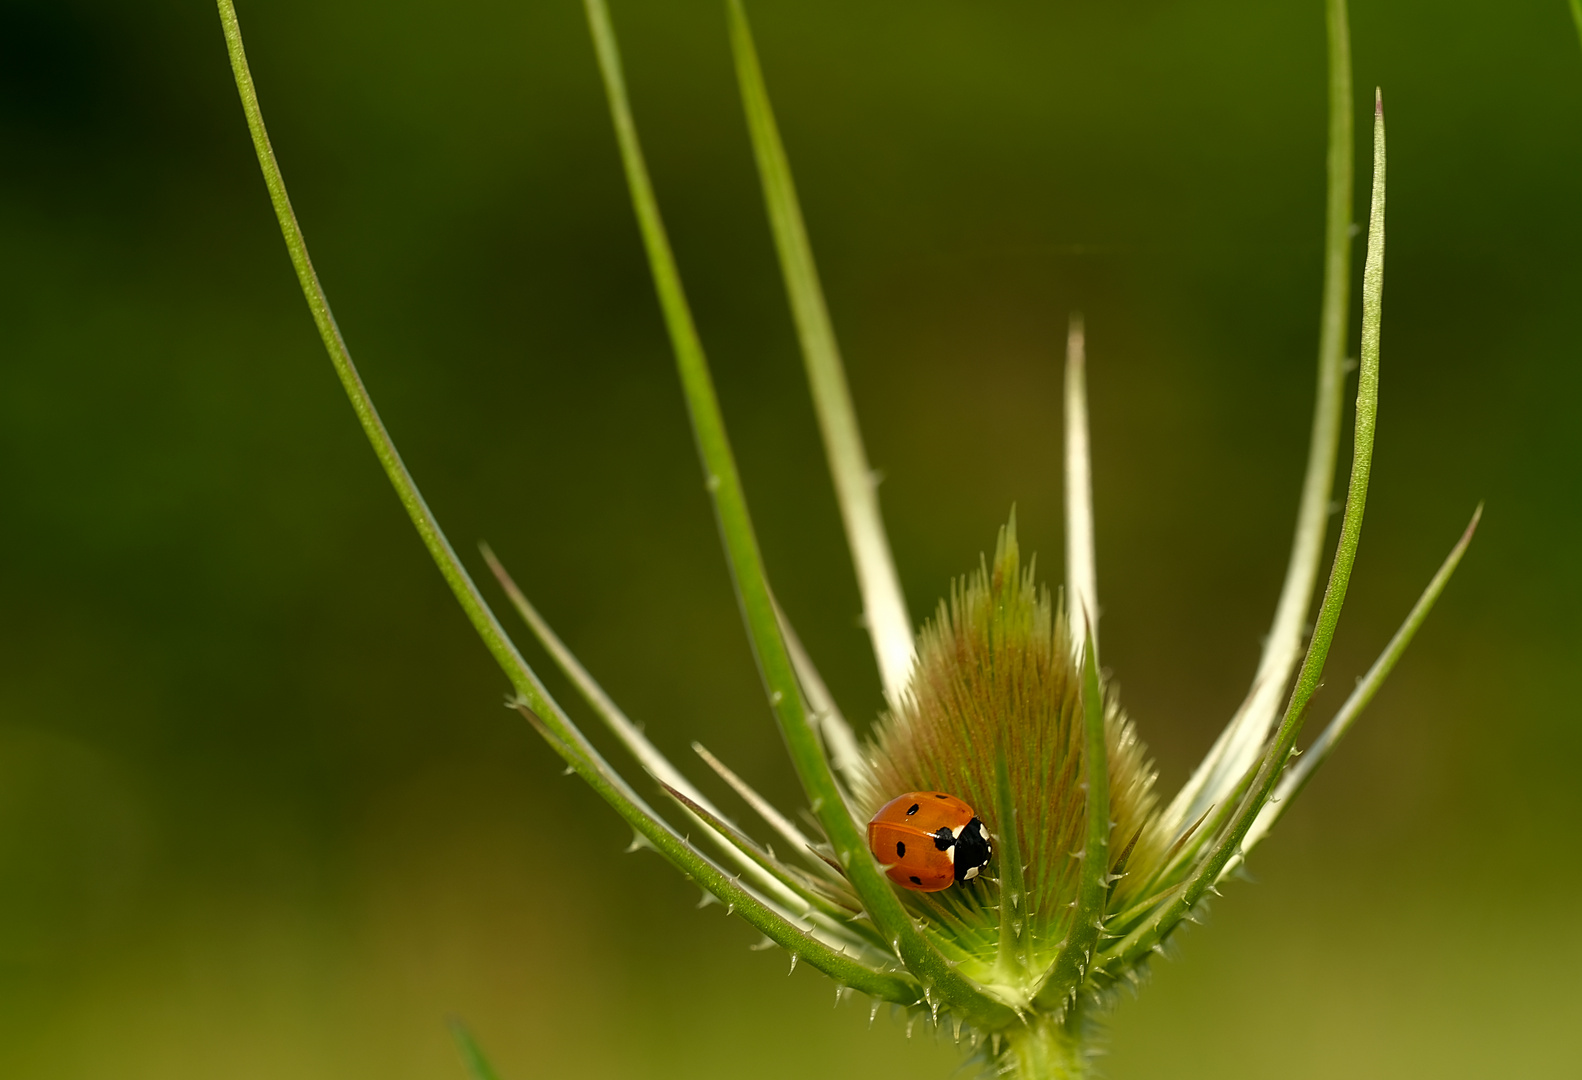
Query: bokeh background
[[261, 811]]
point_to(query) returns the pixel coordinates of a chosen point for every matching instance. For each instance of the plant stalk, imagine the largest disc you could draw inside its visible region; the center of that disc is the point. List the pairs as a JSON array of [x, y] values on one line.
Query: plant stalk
[[1047, 1050]]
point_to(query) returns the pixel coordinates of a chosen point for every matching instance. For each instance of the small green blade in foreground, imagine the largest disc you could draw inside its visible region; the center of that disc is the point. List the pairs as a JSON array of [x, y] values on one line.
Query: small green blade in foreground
[[478, 1066]]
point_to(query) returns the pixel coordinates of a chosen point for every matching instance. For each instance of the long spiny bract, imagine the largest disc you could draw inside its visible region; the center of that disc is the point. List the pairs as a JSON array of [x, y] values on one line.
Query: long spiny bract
[[995, 669]]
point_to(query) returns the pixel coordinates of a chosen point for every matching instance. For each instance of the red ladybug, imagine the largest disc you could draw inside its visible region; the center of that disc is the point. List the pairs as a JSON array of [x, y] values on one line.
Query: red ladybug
[[928, 841]]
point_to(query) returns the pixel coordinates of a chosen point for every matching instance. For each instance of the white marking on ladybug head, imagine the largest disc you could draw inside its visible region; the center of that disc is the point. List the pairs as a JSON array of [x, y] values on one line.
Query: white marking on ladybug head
[[972, 872]]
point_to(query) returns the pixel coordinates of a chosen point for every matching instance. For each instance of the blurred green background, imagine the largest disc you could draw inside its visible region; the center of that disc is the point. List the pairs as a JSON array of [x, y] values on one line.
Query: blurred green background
[[261, 813]]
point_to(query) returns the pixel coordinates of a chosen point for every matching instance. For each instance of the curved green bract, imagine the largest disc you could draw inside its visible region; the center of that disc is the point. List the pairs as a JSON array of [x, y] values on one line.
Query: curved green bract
[[884, 607], [723, 887], [1237, 747], [1369, 685], [941, 982], [547, 716], [1136, 945]]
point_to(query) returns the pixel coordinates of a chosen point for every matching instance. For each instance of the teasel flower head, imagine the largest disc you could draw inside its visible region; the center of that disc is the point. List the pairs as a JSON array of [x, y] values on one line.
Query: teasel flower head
[[998, 702], [993, 714]]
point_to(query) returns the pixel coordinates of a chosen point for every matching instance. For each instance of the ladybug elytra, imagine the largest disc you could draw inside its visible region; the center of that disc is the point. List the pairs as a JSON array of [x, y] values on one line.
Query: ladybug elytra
[[928, 841]]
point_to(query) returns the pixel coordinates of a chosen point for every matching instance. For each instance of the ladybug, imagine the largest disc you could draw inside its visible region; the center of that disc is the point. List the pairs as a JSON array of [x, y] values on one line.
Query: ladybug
[[928, 841]]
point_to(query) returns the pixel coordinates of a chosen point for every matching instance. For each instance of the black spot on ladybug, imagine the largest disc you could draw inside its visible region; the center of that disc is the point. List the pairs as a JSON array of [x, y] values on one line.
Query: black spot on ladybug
[[941, 796], [900, 850], [912, 811], [944, 838], [916, 880]]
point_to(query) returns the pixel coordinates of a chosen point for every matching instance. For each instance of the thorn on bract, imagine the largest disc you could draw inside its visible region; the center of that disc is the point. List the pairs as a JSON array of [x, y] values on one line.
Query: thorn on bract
[[793, 963]]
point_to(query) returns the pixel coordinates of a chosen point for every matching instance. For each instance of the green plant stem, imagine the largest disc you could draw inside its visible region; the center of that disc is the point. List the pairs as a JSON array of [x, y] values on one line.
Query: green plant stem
[[1046, 1050], [547, 715], [1060, 990], [942, 983], [1576, 16], [884, 606], [1132, 948], [1238, 746]]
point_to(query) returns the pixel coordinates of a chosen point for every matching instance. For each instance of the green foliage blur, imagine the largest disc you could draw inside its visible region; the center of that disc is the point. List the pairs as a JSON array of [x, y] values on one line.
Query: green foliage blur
[[261, 811]]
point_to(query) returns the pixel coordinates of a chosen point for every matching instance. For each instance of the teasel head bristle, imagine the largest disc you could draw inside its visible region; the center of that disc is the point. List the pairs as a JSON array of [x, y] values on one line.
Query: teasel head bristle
[[997, 674]]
